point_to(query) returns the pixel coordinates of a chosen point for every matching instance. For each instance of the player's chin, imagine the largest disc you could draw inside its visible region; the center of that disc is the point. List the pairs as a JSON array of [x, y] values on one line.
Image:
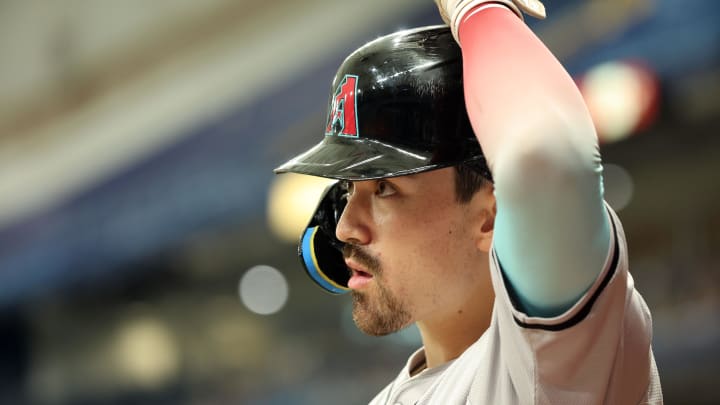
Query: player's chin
[[378, 321], [374, 327]]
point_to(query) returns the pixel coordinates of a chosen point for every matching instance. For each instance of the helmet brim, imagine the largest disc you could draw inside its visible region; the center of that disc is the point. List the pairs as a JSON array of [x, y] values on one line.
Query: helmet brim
[[355, 159]]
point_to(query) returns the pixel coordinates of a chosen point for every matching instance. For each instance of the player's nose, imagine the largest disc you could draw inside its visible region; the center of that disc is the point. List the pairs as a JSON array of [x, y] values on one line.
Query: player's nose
[[354, 223]]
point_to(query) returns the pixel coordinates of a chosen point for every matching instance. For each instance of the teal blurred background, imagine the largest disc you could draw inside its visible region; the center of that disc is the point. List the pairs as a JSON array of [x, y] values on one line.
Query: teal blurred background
[[147, 251]]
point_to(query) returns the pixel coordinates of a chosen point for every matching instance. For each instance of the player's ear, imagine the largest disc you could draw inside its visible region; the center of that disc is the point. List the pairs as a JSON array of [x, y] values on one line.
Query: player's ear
[[485, 219]]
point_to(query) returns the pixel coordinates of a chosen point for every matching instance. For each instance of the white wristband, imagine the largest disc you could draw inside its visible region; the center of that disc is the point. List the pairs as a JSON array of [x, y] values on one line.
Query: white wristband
[[463, 7], [455, 10]]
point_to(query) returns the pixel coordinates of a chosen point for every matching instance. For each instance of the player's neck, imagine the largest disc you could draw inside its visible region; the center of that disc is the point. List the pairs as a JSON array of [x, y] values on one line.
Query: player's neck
[[446, 337]]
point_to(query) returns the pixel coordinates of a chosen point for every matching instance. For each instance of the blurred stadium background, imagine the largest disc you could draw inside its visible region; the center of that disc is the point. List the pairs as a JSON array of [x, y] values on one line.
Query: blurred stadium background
[[144, 249]]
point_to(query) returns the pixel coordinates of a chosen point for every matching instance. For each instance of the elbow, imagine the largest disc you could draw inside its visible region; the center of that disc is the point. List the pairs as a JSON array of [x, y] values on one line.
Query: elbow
[[564, 158]]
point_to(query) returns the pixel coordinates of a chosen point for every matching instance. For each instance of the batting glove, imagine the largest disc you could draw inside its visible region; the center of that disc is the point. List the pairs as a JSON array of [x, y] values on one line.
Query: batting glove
[[453, 11]]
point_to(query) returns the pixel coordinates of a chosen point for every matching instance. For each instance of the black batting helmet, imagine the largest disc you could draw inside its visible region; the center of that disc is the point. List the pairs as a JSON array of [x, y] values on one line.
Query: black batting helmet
[[396, 107]]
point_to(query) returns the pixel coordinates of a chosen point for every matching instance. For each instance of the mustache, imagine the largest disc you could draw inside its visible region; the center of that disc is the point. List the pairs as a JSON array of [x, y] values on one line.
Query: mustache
[[364, 258]]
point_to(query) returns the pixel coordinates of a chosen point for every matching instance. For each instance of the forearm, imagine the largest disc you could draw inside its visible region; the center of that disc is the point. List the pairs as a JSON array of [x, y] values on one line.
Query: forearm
[[551, 232], [516, 90]]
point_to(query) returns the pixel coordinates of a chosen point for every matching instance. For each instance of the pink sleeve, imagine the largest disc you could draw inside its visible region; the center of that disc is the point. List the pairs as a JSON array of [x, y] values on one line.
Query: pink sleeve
[[551, 231]]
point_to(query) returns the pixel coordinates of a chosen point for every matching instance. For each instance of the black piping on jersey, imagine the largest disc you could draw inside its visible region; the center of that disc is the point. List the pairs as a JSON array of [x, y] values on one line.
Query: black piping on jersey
[[585, 310]]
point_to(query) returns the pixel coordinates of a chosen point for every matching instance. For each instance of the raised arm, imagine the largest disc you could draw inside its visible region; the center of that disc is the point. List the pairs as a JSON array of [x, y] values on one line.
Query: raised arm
[[551, 231]]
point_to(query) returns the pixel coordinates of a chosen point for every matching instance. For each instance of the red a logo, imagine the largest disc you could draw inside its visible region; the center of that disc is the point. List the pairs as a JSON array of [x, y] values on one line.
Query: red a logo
[[342, 119]]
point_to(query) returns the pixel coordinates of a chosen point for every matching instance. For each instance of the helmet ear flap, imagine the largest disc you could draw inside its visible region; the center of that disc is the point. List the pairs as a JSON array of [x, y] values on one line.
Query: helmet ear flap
[[319, 249]]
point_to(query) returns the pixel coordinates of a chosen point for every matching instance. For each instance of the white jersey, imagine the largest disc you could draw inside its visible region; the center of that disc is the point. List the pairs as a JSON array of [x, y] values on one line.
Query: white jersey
[[597, 352]]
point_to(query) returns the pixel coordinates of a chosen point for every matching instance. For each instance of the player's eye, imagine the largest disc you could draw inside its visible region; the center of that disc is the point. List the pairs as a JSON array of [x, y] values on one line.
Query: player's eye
[[384, 189], [348, 187]]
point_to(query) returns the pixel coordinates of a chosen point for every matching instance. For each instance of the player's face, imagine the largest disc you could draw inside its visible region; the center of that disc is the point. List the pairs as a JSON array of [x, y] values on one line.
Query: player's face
[[412, 249]]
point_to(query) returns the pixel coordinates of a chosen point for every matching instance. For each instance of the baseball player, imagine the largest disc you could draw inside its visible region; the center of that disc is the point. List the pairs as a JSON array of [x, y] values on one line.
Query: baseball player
[[470, 202]]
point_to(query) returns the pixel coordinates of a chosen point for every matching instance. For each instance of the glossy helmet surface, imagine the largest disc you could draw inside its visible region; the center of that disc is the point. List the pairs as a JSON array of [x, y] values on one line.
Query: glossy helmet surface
[[396, 107]]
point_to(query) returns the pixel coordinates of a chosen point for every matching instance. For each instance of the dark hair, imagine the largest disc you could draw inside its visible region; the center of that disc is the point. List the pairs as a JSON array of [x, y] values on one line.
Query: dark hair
[[470, 177]]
